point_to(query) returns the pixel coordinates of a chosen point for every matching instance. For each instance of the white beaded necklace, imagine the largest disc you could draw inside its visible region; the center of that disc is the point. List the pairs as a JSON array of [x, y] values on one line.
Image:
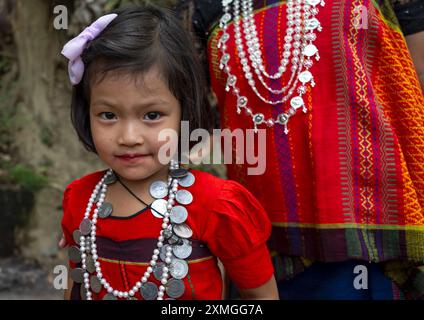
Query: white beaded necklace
[[301, 24], [102, 187]]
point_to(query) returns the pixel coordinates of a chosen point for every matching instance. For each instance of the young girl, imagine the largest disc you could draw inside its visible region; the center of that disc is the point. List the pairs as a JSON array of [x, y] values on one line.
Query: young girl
[[135, 74]]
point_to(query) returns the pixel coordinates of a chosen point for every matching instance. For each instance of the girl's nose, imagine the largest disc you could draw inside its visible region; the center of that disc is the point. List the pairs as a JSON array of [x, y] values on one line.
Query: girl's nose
[[130, 135]]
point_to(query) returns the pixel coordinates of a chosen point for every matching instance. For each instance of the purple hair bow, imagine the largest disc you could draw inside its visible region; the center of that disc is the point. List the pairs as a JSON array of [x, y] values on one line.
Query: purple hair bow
[[75, 47]]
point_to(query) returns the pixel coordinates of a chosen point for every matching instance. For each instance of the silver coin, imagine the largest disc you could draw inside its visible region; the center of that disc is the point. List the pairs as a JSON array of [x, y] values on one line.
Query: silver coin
[[149, 291], [305, 76], [178, 214], [158, 208], [183, 231], [296, 102], [182, 251], [85, 227], [175, 288], [105, 210], [109, 296], [95, 284], [162, 253], [110, 179], [76, 235], [187, 181], [184, 197], [83, 293], [178, 173], [157, 270], [158, 189], [174, 240], [89, 263], [74, 254], [310, 50], [179, 268], [77, 275]]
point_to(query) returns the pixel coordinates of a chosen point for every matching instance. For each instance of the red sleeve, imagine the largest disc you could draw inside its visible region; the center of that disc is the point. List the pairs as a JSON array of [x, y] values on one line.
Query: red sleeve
[[237, 231]]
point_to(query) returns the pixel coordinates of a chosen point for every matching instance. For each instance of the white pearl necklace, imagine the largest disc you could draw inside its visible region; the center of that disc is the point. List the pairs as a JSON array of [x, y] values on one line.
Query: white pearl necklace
[[102, 187], [300, 29]]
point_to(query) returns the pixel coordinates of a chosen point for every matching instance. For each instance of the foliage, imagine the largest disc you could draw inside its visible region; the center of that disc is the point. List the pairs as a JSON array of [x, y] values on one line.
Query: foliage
[[26, 177]]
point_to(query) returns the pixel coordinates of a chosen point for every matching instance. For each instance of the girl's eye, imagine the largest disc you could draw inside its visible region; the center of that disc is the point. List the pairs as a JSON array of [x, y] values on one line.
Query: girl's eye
[[152, 116], [107, 115]]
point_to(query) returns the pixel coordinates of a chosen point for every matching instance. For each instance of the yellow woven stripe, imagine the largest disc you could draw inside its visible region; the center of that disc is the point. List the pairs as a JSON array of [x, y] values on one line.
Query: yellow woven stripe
[[145, 264], [346, 226]]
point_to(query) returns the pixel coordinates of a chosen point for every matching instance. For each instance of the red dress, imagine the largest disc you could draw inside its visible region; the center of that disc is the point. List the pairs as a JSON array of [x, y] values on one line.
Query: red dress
[[227, 222]]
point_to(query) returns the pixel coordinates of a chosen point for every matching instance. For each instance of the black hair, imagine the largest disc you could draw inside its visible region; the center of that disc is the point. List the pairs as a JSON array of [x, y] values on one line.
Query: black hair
[[136, 40]]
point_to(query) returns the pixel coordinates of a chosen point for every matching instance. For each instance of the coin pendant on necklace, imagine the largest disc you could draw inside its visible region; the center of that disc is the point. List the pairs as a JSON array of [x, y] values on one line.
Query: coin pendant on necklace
[[178, 173], [95, 284], [178, 214], [76, 235], [89, 262], [85, 227], [187, 181], [77, 275], [158, 208], [157, 270], [310, 50], [111, 179], [149, 291], [158, 189], [109, 296], [175, 288], [162, 252], [182, 251], [74, 254], [179, 268], [305, 76], [105, 210], [296, 102], [184, 197], [183, 231]]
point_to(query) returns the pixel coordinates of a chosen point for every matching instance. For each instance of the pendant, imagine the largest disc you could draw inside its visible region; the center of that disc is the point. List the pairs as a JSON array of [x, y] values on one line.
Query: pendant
[[184, 197], [149, 291], [183, 231], [178, 214], [85, 227], [74, 254], [175, 288], [179, 269], [105, 210], [184, 250], [159, 208], [158, 189], [187, 181], [95, 284]]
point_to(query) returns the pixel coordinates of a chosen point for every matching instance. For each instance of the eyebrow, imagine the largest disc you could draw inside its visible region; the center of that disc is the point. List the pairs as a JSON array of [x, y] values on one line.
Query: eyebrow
[[139, 105]]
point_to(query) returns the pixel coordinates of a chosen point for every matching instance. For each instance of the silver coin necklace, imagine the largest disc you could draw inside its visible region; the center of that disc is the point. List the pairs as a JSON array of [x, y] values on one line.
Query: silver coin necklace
[[167, 264]]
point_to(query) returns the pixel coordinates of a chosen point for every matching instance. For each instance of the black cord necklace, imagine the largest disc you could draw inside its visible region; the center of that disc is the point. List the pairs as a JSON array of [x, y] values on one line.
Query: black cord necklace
[[138, 198]]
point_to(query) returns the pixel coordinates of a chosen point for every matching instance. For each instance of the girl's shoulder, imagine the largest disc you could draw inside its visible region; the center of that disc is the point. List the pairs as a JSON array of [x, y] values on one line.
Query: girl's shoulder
[[84, 184], [216, 187]]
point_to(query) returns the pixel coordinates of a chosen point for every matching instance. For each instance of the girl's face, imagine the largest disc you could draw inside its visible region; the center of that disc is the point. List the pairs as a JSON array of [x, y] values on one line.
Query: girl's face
[[127, 116]]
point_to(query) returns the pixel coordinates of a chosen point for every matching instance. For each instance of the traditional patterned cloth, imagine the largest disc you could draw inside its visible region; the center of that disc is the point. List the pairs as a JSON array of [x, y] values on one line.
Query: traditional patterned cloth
[[227, 222], [348, 181]]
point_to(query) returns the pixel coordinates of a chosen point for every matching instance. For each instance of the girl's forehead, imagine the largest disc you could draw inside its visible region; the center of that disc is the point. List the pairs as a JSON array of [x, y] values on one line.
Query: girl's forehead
[[149, 82]]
